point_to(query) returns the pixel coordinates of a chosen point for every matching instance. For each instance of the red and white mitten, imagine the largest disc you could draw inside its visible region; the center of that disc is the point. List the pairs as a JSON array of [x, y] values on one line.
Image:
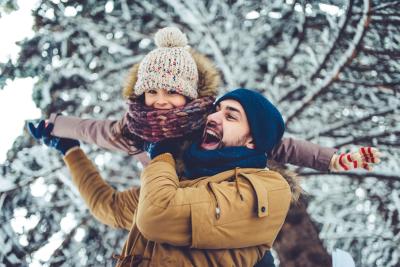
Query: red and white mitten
[[363, 158]]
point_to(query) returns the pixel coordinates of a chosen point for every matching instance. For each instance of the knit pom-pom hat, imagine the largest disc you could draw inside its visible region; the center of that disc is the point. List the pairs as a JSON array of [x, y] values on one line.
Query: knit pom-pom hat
[[170, 66]]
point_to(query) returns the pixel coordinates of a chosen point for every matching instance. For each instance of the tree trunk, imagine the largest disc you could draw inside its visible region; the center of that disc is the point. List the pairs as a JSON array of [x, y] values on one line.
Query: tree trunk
[[298, 244]]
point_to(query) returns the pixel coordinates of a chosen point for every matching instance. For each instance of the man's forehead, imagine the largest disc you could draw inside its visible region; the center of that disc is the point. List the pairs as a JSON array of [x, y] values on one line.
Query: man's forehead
[[230, 103]]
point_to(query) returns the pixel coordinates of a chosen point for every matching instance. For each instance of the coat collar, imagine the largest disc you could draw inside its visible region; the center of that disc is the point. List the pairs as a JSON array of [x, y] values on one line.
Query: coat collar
[[262, 180]]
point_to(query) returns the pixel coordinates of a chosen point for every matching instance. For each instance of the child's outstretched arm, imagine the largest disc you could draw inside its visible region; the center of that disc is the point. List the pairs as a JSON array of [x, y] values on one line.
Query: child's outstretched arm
[[302, 153], [306, 154], [104, 133]]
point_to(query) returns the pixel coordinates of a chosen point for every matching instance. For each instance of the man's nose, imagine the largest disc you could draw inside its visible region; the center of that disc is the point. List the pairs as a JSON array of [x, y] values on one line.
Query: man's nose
[[214, 118]]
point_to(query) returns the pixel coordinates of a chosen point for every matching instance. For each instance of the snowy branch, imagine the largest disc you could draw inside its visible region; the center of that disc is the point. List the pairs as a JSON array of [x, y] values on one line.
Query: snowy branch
[[356, 175]]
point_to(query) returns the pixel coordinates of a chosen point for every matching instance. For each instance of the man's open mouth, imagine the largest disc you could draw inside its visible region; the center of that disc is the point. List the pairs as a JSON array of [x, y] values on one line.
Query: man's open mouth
[[211, 139]]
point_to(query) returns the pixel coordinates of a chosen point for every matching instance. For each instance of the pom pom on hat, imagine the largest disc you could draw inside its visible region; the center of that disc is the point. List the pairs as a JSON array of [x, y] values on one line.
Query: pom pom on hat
[[170, 66], [170, 37]]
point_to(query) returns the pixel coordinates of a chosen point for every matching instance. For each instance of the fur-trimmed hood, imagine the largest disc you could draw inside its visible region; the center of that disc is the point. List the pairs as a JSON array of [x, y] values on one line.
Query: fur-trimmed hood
[[291, 177], [209, 77]]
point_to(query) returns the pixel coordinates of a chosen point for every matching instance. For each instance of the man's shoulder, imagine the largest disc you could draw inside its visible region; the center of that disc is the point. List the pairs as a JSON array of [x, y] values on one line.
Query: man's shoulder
[[272, 179], [257, 176]]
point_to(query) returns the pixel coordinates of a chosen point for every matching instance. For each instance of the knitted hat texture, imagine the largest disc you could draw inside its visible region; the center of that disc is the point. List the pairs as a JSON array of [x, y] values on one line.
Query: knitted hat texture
[[170, 66]]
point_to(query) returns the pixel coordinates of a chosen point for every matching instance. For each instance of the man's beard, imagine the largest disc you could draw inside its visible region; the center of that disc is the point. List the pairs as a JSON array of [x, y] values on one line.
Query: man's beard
[[240, 141]]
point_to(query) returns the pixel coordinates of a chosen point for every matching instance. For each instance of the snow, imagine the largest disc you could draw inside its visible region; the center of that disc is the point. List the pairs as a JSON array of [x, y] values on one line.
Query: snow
[[70, 11], [16, 106], [38, 188], [46, 251], [16, 26], [15, 98], [109, 6], [331, 9], [80, 234], [252, 15], [275, 15]]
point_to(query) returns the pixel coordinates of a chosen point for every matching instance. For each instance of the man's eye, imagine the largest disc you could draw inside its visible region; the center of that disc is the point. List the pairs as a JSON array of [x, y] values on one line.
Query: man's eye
[[230, 117]]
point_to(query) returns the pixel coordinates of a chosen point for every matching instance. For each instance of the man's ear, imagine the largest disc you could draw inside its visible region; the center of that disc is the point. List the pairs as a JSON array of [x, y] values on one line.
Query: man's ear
[[250, 143]]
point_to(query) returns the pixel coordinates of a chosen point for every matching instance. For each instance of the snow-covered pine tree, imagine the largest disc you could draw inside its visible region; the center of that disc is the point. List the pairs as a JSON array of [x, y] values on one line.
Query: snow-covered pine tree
[[330, 66]]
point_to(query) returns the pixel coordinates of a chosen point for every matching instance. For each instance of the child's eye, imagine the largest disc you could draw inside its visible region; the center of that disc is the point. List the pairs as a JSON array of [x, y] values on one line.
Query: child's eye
[[172, 92], [152, 92]]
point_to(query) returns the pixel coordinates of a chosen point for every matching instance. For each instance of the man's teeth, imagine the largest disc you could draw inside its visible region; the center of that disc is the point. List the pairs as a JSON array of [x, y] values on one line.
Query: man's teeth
[[212, 133]]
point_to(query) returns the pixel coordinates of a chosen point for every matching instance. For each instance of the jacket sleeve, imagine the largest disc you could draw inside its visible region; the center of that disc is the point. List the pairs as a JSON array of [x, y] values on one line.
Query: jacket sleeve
[[104, 133], [187, 216], [302, 153], [109, 206]]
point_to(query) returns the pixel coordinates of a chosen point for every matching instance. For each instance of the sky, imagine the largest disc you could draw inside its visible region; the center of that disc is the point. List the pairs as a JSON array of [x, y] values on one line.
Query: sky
[[16, 103]]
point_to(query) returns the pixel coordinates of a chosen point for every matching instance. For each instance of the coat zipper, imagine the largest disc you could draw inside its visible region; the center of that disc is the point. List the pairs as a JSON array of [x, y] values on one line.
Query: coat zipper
[[217, 208]]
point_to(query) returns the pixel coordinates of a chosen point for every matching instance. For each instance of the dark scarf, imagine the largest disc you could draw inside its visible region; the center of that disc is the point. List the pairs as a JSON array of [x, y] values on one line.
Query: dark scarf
[[199, 162], [154, 125]]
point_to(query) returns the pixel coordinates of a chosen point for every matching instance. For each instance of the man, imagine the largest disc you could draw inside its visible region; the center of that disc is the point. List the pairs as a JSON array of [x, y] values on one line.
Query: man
[[230, 216]]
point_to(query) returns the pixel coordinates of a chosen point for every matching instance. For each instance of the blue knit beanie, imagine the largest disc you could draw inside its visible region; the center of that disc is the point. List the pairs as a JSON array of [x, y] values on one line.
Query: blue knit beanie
[[266, 122]]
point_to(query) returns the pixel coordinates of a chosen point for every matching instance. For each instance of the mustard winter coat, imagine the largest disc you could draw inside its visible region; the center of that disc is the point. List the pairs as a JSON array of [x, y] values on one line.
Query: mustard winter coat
[[229, 219]]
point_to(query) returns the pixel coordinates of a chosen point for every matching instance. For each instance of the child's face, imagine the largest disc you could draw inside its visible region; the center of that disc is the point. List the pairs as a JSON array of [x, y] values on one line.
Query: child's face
[[163, 99]]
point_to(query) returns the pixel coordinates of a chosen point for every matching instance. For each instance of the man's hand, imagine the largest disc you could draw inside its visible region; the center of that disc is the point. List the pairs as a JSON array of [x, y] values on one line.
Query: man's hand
[[363, 158], [171, 145], [42, 133]]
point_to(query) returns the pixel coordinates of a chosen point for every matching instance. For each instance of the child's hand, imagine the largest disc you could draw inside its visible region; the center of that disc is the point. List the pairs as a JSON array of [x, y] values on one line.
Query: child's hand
[[42, 132], [38, 131], [363, 158]]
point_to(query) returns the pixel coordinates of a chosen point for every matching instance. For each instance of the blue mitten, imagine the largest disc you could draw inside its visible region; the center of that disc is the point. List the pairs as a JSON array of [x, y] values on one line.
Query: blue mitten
[[171, 145], [42, 133]]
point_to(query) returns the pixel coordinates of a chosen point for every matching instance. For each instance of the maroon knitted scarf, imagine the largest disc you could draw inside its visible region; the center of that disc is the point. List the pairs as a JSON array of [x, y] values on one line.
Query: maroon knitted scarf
[[153, 125]]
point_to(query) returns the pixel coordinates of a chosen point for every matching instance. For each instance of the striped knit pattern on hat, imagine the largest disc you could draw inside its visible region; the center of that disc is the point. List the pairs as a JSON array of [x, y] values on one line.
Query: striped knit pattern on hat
[[170, 66]]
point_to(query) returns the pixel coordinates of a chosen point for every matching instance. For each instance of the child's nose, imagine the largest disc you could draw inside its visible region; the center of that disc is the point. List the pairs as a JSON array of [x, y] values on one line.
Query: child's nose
[[161, 100], [161, 103]]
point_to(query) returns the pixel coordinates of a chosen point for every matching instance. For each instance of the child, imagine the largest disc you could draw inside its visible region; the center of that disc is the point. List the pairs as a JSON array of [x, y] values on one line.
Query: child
[[169, 95]]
